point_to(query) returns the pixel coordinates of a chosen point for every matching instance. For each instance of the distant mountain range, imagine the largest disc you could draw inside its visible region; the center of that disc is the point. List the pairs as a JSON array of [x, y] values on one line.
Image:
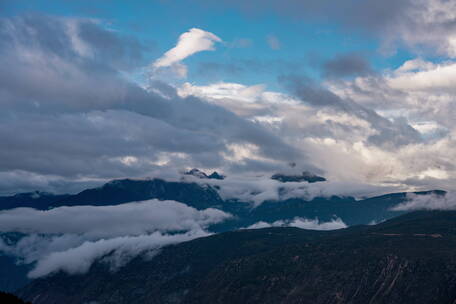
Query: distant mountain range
[[202, 196], [408, 259]]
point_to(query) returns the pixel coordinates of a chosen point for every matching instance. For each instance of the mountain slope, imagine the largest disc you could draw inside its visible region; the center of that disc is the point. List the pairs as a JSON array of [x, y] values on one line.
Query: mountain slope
[[410, 259], [37, 200], [118, 192], [349, 210], [7, 298]]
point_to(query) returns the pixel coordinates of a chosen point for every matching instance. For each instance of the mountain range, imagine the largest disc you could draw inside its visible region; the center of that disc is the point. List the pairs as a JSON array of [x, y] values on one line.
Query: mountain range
[[200, 195], [408, 259]]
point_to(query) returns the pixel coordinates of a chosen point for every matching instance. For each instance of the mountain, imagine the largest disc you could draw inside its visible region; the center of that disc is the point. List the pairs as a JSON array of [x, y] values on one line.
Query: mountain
[[349, 210], [37, 199], [201, 196], [200, 174], [8, 298], [409, 259], [127, 190], [12, 276], [119, 192]]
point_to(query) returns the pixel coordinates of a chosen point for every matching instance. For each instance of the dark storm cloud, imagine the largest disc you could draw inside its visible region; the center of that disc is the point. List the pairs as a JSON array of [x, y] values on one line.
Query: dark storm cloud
[[343, 65]]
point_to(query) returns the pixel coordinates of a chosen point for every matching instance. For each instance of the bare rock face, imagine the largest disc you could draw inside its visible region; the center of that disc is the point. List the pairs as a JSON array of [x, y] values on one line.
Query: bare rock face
[[200, 174], [409, 259]]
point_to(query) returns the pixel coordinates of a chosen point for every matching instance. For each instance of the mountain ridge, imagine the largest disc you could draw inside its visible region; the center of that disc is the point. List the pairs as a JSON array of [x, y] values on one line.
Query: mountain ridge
[[385, 263]]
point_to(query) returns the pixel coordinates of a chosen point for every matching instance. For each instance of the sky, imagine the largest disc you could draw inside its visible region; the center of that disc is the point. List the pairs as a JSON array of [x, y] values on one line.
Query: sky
[[360, 92]]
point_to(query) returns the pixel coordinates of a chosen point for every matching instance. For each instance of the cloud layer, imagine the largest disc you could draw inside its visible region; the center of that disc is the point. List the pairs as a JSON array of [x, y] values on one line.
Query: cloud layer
[[303, 224], [428, 202], [80, 118], [72, 238], [72, 90]]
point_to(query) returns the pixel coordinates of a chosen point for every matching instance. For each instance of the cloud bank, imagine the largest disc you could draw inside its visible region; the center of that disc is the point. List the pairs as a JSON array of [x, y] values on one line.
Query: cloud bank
[[303, 224], [72, 238], [428, 202]]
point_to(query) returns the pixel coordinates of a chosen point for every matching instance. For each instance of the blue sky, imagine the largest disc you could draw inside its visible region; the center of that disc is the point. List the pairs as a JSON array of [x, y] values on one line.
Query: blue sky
[[304, 44]]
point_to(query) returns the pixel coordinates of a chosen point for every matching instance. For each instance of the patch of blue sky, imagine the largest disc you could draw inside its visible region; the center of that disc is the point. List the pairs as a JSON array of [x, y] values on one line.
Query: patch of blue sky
[[244, 57]]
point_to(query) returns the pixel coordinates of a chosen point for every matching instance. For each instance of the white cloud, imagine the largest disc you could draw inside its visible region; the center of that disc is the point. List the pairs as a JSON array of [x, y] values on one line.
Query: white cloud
[[189, 43], [338, 142], [110, 221], [424, 76], [257, 188], [428, 202], [116, 252], [72, 238], [303, 224]]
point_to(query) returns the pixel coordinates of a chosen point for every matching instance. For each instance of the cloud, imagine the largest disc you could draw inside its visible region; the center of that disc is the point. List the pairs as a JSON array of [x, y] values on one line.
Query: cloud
[[346, 65], [115, 252], [109, 221], [303, 224], [273, 42], [388, 133], [421, 25], [419, 75], [343, 136], [72, 238], [418, 90], [388, 130], [428, 202], [189, 43], [71, 89], [256, 188]]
